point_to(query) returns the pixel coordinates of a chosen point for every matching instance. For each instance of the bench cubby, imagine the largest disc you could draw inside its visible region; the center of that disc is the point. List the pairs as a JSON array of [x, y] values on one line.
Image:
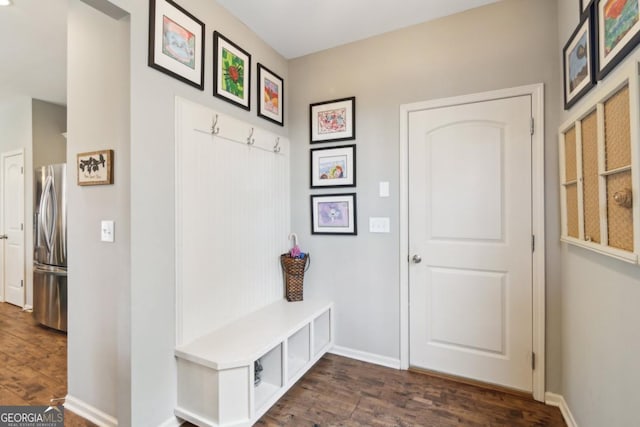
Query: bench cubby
[[216, 372]]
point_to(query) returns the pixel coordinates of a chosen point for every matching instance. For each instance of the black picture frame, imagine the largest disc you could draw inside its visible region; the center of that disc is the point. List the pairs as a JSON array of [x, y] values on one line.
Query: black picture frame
[[334, 214], [332, 167], [584, 5], [579, 52], [331, 121], [231, 83], [608, 57], [169, 51], [270, 86]]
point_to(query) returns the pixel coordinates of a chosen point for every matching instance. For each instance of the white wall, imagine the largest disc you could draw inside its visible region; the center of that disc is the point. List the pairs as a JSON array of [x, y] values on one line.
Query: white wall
[[49, 122], [98, 272], [16, 134], [498, 46], [600, 315]]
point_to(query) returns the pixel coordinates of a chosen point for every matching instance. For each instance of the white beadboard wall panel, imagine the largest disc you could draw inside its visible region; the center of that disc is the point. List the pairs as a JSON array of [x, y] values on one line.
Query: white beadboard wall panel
[[233, 219]]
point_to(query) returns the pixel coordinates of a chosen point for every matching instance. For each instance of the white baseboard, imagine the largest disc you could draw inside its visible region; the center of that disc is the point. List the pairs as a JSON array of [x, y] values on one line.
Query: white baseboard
[[363, 356], [172, 422], [88, 412], [28, 308], [553, 399]]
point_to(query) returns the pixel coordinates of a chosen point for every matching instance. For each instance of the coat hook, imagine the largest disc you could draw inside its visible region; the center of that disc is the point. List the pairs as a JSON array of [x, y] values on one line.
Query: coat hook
[[250, 139], [215, 130], [276, 148]]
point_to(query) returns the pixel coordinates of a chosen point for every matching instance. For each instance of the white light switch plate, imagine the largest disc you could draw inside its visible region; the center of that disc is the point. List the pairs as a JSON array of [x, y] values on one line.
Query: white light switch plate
[[383, 191], [379, 225], [107, 231]]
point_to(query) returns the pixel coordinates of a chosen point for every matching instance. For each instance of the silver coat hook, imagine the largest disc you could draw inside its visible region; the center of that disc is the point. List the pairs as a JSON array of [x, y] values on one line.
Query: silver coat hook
[[214, 129], [276, 148], [250, 139]]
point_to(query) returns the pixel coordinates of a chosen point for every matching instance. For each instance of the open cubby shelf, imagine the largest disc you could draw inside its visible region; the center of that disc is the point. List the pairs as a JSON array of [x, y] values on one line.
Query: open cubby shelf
[[216, 372], [599, 152]]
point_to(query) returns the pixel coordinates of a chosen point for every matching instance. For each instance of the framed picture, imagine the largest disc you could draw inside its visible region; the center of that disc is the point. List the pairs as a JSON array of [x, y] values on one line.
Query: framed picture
[[584, 5], [334, 214], [333, 120], [333, 167], [578, 61], [95, 168], [617, 33], [231, 72], [270, 95], [176, 42]]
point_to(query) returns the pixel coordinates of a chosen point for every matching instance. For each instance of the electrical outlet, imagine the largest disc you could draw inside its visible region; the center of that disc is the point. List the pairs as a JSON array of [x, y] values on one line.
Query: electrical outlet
[[379, 225], [107, 231]]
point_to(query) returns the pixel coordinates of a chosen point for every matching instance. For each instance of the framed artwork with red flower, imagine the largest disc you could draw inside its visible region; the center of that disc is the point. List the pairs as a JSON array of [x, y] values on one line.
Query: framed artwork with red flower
[[270, 95], [231, 72], [176, 42]]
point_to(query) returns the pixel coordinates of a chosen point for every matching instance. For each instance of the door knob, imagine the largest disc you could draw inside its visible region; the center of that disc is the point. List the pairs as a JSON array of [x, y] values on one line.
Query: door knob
[[3, 236], [417, 259]]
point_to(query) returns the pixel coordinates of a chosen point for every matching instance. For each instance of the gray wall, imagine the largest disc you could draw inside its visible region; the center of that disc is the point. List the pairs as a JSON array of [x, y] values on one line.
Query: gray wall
[[600, 315], [152, 207], [49, 122], [498, 46], [98, 272]]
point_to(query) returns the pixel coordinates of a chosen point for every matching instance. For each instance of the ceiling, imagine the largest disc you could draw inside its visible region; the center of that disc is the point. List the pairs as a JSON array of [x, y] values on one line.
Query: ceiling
[[299, 27], [34, 49], [34, 32]]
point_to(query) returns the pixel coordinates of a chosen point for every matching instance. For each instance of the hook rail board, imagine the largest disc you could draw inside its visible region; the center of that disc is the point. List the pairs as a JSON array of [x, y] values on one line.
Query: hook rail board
[[232, 218]]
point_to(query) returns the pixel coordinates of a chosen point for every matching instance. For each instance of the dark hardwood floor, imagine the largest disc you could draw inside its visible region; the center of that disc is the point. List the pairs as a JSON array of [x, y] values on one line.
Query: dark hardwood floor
[[33, 363], [336, 392], [344, 392]]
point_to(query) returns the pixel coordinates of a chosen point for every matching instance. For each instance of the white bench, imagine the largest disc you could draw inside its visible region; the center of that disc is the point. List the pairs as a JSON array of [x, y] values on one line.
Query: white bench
[[216, 371]]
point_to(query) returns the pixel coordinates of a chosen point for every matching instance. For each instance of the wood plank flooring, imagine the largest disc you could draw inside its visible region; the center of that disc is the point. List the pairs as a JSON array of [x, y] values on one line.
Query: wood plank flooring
[[336, 392], [33, 363], [344, 392]]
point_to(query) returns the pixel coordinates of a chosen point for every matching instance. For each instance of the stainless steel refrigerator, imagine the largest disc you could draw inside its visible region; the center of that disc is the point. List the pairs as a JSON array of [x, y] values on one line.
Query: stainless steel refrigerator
[[50, 247]]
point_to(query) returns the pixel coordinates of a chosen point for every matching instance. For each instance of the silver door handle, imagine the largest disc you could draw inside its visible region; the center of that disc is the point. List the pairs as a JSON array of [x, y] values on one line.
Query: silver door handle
[[3, 236], [417, 259]]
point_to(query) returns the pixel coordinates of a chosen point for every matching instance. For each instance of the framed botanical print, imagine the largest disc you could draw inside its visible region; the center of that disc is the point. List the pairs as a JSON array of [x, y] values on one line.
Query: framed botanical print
[[231, 72], [333, 167], [578, 61], [333, 120], [270, 95], [95, 167], [176, 42]]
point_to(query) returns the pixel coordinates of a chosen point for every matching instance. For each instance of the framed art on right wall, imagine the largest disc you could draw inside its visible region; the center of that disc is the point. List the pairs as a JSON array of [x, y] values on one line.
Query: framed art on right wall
[[578, 61], [617, 32]]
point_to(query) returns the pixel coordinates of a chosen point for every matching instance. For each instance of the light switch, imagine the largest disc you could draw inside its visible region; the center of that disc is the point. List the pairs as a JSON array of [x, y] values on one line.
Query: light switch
[[384, 189], [379, 225], [107, 231]]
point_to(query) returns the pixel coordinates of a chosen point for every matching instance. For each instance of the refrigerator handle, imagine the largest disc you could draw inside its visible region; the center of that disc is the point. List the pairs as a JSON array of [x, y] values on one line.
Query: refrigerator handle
[[45, 227]]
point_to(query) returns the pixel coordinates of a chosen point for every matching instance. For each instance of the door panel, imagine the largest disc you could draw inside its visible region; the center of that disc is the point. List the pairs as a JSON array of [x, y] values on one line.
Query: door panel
[[470, 221], [13, 215], [466, 164]]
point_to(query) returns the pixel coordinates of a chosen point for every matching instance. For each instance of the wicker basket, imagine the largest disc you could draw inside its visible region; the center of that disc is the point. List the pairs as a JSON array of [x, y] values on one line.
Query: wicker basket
[[294, 269]]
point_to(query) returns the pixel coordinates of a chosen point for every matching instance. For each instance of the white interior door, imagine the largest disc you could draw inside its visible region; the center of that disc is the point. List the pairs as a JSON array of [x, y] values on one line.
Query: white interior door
[[470, 239], [12, 232]]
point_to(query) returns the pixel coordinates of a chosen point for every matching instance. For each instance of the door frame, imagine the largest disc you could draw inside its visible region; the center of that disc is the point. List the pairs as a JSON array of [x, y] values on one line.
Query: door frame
[[3, 156], [536, 92]]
